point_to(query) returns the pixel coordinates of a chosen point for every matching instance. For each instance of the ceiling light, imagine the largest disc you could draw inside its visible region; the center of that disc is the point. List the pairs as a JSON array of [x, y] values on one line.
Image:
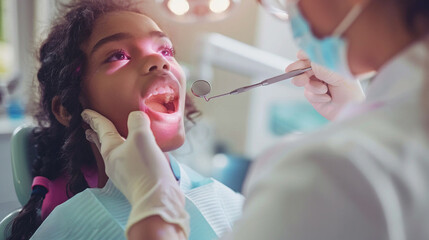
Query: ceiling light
[[219, 6], [178, 7], [198, 10]]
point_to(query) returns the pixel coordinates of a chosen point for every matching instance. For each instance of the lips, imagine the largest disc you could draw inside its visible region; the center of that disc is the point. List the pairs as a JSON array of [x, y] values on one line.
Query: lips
[[162, 96]]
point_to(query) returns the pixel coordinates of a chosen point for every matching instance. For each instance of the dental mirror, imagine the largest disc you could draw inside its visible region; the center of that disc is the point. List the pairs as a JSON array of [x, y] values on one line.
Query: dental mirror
[[202, 88]]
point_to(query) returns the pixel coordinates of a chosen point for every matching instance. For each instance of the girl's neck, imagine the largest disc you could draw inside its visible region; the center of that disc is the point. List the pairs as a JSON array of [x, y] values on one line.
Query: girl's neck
[[102, 176]]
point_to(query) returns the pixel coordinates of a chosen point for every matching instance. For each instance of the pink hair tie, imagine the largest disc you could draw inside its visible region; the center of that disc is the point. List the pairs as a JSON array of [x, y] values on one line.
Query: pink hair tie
[[41, 181]]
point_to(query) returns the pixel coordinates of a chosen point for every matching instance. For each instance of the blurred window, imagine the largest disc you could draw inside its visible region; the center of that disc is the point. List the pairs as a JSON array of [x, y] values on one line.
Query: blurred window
[[7, 53]]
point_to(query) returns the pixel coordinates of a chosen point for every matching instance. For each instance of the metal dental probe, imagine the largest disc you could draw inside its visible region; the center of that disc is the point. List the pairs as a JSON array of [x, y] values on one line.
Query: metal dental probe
[[202, 88]]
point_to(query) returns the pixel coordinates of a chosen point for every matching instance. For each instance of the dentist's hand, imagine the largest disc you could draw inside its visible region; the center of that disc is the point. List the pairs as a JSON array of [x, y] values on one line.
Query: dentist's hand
[[327, 91], [139, 169]]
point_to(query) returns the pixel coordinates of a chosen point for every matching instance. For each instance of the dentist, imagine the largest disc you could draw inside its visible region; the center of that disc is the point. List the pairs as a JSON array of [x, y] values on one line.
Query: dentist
[[364, 176]]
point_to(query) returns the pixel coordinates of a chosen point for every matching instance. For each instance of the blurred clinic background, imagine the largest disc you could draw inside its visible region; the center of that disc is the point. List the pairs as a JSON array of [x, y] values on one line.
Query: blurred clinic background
[[230, 43]]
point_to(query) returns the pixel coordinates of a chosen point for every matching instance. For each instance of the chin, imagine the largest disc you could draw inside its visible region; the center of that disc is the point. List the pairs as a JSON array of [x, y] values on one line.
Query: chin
[[169, 142]]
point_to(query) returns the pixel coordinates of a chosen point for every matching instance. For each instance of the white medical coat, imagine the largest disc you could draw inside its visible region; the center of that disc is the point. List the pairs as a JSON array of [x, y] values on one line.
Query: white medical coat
[[363, 177]]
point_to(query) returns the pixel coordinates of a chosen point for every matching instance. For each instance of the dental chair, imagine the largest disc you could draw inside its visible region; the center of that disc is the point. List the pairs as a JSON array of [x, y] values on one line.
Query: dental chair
[[22, 152]]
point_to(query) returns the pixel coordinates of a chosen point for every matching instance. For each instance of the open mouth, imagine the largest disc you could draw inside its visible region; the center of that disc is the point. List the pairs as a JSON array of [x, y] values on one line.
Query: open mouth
[[163, 100]]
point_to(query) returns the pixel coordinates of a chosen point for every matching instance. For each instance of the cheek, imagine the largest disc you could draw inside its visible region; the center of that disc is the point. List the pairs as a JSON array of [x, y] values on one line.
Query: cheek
[[177, 70], [114, 101], [180, 75]]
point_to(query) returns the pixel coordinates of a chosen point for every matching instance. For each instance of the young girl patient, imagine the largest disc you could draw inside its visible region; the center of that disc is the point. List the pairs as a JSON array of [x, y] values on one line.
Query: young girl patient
[[109, 57]]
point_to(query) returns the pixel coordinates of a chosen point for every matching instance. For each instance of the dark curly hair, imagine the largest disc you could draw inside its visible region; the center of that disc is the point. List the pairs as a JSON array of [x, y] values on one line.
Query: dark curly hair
[[64, 150]]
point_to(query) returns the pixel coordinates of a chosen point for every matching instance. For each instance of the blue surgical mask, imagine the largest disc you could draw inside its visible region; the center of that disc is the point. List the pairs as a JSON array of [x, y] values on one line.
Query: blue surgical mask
[[330, 51]]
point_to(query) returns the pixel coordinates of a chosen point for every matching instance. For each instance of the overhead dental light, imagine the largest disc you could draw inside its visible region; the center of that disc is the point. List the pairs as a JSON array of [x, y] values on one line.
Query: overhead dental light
[[178, 7], [198, 10]]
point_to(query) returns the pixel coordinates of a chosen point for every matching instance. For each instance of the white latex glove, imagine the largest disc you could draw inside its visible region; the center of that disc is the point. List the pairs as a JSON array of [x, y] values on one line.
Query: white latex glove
[[139, 169], [326, 90]]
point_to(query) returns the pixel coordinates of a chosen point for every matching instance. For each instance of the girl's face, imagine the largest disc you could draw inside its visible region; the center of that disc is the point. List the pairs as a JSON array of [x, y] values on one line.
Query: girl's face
[[131, 66]]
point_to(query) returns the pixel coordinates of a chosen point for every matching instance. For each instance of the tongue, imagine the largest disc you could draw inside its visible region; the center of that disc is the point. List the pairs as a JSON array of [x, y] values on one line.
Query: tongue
[[156, 106]]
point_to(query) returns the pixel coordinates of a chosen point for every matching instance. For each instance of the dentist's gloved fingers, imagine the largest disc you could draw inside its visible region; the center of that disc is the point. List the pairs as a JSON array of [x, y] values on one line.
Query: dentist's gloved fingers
[[300, 80], [317, 98], [316, 86], [326, 90], [140, 132], [303, 79], [300, 64], [108, 136], [92, 136], [138, 120], [301, 55], [327, 75], [97, 122], [139, 169], [319, 71]]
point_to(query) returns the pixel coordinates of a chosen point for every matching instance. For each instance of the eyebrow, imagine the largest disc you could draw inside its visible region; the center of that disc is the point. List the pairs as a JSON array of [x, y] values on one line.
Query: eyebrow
[[122, 36], [158, 34]]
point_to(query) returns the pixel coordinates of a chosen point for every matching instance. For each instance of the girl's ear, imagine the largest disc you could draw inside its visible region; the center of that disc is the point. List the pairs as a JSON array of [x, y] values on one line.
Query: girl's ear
[[60, 112]]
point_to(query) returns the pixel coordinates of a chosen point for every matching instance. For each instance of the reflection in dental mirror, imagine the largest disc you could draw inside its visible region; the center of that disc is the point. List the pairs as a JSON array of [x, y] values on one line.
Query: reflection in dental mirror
[[201, 88]]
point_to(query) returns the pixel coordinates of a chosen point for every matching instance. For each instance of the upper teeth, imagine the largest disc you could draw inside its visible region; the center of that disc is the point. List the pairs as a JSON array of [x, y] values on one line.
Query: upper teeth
[[167, 90], [169, 98]]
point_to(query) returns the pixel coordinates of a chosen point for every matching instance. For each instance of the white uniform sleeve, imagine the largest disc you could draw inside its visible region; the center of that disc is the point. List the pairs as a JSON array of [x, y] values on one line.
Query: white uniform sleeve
[[311, 194]]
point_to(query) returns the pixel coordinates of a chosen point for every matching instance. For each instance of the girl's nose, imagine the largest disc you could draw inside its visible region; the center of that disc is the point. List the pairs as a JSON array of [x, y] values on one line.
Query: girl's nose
[[156, 62]]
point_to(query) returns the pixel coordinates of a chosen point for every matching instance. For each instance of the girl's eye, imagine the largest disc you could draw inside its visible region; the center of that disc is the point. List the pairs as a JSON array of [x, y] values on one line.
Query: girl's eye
[[168, 52], [118, 56]]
